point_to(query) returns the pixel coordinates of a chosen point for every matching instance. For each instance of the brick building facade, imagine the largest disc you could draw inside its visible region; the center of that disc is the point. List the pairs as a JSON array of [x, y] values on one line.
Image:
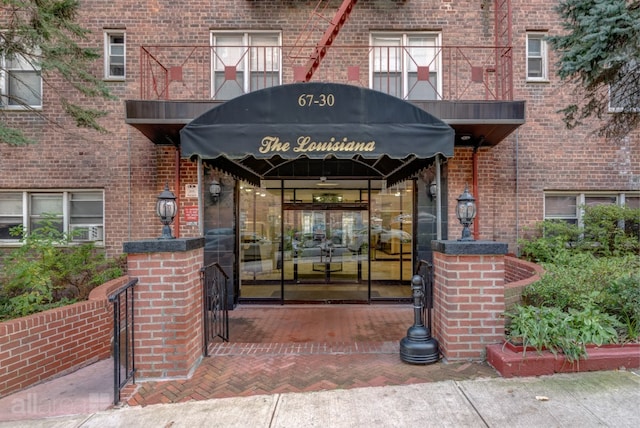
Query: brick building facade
[[538, 164]]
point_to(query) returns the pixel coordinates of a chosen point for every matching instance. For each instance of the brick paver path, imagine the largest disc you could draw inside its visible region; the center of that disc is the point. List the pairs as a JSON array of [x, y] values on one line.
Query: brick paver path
[[356, 346]]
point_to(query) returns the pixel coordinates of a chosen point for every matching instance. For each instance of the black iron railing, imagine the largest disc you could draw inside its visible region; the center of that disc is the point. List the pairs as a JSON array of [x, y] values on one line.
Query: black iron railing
[[215, 307], [123, 327], [425, 270]]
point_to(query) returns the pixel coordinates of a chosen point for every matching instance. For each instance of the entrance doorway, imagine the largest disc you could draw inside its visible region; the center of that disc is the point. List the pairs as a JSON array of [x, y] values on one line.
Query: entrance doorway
[[328, 247], [310, 241]]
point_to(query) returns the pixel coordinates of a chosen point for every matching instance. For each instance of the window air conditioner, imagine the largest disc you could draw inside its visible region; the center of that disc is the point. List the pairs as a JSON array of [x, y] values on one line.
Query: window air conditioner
[[87, 233]]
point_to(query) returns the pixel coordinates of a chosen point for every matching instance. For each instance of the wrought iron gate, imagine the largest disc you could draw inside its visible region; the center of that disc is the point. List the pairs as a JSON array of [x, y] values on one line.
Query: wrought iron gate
[[123, 323], [216, 314]]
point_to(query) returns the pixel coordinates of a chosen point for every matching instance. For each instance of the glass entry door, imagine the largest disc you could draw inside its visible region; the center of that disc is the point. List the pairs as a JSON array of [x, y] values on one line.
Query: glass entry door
[[295, 243], [326, 253]]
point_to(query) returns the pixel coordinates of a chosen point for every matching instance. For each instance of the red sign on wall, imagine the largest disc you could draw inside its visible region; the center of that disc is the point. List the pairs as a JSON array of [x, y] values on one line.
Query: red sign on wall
[[191, 214]]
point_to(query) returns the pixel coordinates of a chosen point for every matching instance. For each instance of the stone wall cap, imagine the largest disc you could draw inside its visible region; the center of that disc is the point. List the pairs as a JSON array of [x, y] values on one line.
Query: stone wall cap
[[470, 247], [163, 245]]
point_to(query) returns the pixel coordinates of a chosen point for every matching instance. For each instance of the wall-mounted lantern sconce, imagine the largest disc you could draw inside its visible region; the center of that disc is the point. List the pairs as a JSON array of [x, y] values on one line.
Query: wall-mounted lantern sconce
[[466, 212], [215, 189], [166, 209], [433, 190]]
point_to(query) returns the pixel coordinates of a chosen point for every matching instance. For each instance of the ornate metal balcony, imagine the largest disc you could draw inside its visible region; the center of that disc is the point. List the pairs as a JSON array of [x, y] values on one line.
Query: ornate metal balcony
[[433, 73]]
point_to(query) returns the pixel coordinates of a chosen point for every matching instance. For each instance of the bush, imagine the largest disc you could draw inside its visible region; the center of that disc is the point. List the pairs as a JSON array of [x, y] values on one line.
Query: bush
[[567, 332], [48, 270], [621, 298], [609, 231], [568, 282], [551, 239], [597, 265]]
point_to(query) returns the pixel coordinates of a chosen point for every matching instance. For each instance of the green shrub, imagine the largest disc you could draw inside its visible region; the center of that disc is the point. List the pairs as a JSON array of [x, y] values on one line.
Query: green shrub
[[48, 270], [597, 265], [568, 283], [551, 239], [609, 231], [566, 332], [621, 298]]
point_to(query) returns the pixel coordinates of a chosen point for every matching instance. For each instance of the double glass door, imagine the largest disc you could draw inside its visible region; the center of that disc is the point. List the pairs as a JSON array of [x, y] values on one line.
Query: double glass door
[[325, 251], [349, 244]]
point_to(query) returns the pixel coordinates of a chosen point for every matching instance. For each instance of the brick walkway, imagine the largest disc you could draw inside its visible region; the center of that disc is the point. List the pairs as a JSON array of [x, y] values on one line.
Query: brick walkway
[[278, 349]]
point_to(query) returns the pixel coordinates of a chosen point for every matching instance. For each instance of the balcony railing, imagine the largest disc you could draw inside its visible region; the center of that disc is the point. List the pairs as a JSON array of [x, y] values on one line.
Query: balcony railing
[[412, 73]]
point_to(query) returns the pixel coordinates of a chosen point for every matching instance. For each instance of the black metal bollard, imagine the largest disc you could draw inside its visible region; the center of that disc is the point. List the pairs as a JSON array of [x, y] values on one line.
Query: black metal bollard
[[418, 347]]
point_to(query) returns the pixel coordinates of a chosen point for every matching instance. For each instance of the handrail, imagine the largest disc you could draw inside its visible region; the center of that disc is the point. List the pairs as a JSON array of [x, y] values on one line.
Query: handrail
[[115, 293], [121, 314], [218, 268]]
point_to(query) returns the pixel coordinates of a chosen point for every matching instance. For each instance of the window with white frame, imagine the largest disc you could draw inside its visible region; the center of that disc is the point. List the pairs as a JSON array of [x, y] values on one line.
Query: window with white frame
[[114, 55], [536, 57], [20, 81], [570, 207], [244, 62], [622, 96], [406, 65], [78, 213], [561, 207]]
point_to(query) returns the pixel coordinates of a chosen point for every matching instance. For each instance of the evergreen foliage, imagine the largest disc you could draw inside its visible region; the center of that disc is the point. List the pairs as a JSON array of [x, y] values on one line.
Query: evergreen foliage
[[45, 32], [599, 50]]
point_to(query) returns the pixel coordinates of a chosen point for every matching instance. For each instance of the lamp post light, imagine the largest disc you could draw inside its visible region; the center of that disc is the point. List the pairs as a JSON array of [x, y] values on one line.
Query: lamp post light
[[166, 209], [466, 212]]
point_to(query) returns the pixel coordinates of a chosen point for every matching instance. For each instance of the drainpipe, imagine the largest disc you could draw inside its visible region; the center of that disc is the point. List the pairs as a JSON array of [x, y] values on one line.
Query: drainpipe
[[474, 191], [438, 200], [200, 198], [474, 161], [176, 227]]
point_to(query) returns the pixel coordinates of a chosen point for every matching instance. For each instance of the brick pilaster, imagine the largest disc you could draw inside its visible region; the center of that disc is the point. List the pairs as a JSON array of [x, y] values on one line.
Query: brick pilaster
[[168, 306], [468, 297]]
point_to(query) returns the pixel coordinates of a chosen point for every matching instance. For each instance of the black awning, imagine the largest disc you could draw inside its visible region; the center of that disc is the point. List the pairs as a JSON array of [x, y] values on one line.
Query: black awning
[[317, 121]]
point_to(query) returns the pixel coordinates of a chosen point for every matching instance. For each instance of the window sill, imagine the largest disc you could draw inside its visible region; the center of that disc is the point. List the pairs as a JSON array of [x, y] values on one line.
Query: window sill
[[20, 108], [537, 81]]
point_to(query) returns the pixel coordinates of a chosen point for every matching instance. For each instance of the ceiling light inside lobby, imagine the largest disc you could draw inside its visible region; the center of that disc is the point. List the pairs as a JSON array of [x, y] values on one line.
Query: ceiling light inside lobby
[[324, 183]]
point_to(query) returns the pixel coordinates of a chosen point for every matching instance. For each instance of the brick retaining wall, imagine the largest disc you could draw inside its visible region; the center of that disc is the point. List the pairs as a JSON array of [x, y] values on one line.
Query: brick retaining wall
[[517, 275], [48, 344]]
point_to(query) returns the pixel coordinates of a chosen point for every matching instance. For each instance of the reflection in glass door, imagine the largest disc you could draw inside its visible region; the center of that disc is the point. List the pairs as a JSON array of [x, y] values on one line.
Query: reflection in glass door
[[324, 254]]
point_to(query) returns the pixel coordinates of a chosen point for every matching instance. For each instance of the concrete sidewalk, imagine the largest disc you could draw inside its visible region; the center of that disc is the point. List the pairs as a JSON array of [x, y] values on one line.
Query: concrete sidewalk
[[568, 400]]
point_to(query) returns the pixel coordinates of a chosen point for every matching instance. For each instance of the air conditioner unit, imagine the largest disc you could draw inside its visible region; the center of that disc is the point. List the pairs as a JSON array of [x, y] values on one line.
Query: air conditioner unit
[[87, 233]]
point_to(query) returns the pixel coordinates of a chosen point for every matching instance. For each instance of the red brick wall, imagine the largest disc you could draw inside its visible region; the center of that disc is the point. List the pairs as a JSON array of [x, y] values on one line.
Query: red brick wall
[[518, 274], [542, 155], [44, 345], [468, 296], [168, 313]]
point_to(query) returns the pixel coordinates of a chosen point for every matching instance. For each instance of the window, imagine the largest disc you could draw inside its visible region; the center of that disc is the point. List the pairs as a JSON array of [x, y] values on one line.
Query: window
[[20, 81], [11, 214], [244, 62], [536, 57], [622, 97], [114, 56], [568, 207], [406, 65], [561, 207], [79, 213]]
